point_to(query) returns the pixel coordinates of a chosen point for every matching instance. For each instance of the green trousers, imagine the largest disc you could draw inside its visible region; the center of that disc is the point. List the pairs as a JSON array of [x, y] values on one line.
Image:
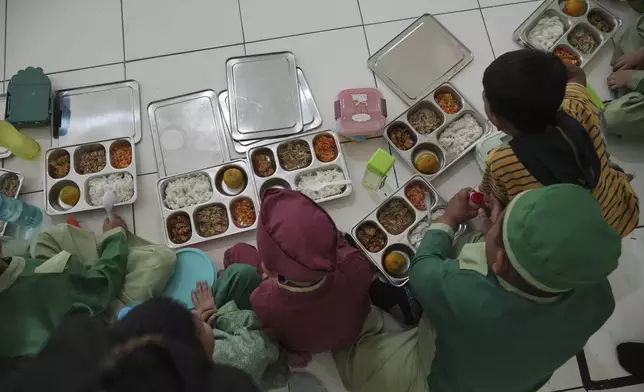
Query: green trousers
[[624, 116], [236, 283], [149, 266]]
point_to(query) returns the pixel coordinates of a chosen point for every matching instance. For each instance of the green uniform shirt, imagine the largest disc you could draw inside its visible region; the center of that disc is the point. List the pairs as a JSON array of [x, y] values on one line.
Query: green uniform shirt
[[37, 294], [489, 335]]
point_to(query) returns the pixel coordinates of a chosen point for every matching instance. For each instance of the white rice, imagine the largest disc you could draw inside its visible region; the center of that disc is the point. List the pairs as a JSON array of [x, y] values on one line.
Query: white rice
[[309, 181], [417, 233], [460, 134], [122, 184], [546, 32], [187, 191]]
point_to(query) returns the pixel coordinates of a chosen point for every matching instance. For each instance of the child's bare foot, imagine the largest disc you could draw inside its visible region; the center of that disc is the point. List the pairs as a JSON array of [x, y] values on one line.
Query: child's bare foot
[[204, 302]]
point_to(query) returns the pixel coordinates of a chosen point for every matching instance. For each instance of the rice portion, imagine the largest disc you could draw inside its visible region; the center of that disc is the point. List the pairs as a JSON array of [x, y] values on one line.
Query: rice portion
[[546, 32], [309, 181], [122, 184], [187, 191], [417, 233], [460, 134]]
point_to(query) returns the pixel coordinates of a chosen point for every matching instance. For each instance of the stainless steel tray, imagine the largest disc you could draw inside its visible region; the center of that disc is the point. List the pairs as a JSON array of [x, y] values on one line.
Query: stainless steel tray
[[310, 115], [188, 133], [429, 142], [264, 96], [21, 178], [401, 242], [54, 185], [100, 112], [4, 153], [221, 195], [418, 59], [554, 8], [281, 178]]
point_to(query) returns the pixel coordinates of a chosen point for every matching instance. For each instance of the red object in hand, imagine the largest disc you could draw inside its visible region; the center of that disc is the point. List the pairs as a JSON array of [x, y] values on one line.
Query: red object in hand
[[477, 197], [72, 221]]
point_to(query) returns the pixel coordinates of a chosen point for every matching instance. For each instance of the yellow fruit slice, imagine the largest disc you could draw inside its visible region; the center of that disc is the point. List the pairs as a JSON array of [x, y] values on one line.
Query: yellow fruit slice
[[427, 163], [395, 262], [70, 195], [233, 177]]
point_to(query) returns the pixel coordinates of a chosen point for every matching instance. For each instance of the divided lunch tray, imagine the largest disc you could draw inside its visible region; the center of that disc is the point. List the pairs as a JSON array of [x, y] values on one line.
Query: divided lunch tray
[[554, 8], [53, 186], [282, 178], [4, 173], [401, 242], [222, 196], [429, 142]]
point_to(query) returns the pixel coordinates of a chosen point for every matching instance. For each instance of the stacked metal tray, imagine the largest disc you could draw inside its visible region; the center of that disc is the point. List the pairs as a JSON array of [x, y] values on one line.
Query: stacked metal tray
[[592, 10], [401, 241], [77, 178], [196, 219], [10, 185], [276, 175], [311, 117], [429, 142]]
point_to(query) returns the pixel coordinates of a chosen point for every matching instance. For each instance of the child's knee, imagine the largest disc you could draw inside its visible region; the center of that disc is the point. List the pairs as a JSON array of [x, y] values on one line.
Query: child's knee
[[243, 273]]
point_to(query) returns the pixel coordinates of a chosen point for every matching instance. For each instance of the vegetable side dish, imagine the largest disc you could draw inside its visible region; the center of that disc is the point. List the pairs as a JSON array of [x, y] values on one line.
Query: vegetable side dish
[[243, 212], [566, 56], [325, 148], [395, 216], [582, 40], [263, 164], [424, 120], [415, 193], [211, 220], [121, 154], [294, 155], [92, 160], [9, 185], [601, 24], [448, 102]]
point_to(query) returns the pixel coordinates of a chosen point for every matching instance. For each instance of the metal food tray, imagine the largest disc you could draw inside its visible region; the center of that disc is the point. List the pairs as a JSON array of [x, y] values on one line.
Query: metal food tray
[[401, 242], [220, 195], [187, 126], [264, 96], [554, 8], [21, 178], [429, 142], [54, 185], [86, 114], [282, 178], [311, 116]]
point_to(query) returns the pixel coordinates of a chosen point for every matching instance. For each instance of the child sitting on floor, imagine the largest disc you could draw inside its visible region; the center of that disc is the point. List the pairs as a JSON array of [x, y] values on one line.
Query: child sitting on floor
[[316, 295]]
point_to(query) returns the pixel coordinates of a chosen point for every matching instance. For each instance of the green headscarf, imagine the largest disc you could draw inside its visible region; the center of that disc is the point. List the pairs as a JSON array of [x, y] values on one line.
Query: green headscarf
[[557, 239]]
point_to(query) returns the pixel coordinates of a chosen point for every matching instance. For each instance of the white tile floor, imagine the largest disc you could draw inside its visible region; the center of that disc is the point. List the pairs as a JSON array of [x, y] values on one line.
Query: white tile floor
[[173, 47]]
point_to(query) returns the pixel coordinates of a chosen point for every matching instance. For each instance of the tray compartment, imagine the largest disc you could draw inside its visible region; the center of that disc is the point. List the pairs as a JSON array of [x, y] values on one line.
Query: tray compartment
[[419, 117], [407, 254]]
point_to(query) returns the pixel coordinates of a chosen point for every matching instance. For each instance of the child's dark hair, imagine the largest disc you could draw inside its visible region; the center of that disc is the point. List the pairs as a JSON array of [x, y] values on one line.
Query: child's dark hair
[[526, 88], [138, 355]]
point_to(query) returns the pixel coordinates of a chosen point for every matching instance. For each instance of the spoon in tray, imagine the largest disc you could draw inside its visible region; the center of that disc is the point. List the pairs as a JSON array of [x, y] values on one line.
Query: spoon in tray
[[428, 208], [109, 199], [319, 186]]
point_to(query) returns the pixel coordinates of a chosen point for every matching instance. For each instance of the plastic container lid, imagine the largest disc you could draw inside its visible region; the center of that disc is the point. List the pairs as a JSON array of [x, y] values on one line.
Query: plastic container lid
[[193, 265], [360, 111], [29, 98]]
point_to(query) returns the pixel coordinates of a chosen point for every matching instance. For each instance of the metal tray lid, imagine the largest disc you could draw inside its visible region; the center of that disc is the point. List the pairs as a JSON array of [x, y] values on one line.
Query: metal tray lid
[[188, 133], [264, 94], [4, 153], [99, 112], [420, 58]]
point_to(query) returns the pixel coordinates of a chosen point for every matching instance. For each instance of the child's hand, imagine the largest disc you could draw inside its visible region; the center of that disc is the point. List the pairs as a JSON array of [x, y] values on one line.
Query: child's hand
[[619, 79], [632, 60], [114, 222], [204, 302], [298, 360]]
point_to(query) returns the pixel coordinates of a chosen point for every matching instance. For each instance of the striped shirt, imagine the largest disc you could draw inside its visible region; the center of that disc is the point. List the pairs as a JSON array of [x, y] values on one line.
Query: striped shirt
[[505, 176]]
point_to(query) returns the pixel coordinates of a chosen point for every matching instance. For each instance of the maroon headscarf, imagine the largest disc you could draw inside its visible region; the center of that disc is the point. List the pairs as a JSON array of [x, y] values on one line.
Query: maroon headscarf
[[295, 237]]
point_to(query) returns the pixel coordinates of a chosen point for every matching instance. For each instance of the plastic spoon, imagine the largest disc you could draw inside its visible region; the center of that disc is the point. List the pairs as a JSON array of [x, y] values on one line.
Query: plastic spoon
[[428, 204], [109, 199], [317, 187]]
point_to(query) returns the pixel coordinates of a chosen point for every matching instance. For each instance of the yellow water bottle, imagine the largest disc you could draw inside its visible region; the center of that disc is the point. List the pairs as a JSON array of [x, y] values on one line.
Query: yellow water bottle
[[20, 144]]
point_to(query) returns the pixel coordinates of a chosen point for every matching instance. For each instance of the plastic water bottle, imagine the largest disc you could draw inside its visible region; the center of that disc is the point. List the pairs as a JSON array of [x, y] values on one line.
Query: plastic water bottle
[[20, 144], [19, 213]]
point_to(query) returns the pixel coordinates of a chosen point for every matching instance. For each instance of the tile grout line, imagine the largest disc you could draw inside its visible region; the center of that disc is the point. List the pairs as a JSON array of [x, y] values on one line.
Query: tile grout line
[[489, 40], [241, 20], [123, 39]]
